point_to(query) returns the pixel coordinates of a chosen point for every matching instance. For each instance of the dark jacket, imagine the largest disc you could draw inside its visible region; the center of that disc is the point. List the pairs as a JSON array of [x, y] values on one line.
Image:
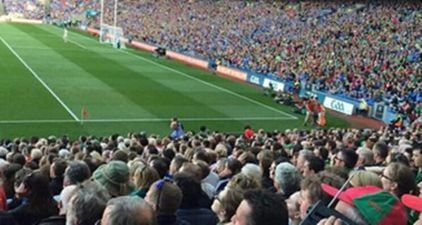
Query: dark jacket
[[25, 215], [56, 185], [200, 216], [170, 220], [54, 220], [6, 219], [222, 184], [266, 182], [22, 215]]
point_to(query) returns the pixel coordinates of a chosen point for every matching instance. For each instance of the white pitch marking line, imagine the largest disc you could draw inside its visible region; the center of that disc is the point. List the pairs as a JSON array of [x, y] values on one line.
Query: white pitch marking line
[[203, 82], [46, 49], [150, 120], [40, 80], [76, 43]]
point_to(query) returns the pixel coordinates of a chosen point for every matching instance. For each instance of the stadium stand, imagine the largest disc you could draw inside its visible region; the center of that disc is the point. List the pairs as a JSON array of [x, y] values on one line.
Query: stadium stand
[[32, 9], [370, 51]]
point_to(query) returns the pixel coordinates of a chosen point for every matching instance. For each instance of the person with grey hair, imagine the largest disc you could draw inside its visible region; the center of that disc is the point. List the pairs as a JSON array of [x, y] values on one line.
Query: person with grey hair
[[252, 170], [87, 204], [286, 179], [128, 210], [76, 172], [365, 158]]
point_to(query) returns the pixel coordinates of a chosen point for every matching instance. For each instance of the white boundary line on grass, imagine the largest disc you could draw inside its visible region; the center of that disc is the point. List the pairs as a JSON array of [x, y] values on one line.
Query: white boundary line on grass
[[200, 81], [145, 120], [46, 49], [40, 80], [76, 43]]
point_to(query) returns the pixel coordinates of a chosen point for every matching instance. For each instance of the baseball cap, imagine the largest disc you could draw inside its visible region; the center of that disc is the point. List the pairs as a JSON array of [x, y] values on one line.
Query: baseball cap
[[376, 206]]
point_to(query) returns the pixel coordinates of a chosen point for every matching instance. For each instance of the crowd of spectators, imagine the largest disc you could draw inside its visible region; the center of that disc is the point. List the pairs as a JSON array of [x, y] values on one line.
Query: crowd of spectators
[[213, 178], [30, 9]]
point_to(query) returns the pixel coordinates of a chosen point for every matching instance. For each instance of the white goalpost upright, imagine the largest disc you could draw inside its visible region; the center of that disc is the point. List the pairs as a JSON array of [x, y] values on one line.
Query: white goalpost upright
[[111, 34]]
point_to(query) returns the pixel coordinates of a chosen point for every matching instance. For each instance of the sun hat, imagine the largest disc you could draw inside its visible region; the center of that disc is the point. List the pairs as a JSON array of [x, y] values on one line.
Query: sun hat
[[114, 176]]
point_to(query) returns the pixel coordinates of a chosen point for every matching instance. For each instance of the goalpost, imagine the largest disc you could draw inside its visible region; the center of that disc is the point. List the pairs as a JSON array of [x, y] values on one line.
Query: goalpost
[[111, 34]]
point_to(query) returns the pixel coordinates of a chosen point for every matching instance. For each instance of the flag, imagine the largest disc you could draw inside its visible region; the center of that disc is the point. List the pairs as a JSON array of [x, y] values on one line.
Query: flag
[[84, 113]]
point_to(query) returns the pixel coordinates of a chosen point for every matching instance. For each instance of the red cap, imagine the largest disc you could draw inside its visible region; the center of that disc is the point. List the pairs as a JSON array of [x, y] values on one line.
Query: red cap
[[348, 195], [412, 202], [248, 133]]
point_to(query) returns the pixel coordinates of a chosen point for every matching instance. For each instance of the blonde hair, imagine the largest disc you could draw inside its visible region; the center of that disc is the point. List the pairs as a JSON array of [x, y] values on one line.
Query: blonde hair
[[364, 178], [134, 165], [145, 176], [243, 182], [188, 154], [221, 151]]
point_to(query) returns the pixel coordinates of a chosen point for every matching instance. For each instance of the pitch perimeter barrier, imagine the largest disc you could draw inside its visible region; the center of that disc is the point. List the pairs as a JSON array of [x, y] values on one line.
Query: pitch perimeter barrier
[[232, 73], [187, 59], [13, 19], [143, 46], [255, 79]]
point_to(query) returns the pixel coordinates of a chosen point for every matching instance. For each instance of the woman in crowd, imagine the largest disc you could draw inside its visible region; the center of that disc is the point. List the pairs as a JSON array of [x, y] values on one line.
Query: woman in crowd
[[226, 203], [37, 201], [398, 179], [144, 177]]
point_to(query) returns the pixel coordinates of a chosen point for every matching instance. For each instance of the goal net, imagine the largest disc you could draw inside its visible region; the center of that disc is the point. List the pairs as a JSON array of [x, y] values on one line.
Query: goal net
[[110, 33]]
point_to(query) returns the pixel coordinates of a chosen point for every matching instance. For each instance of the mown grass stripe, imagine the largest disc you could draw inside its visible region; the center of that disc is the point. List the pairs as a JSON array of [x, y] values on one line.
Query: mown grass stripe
[[40, 80]]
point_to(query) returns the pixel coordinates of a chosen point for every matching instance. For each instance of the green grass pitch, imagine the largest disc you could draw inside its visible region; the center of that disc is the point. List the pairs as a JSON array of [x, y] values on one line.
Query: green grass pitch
[[46, 82]]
